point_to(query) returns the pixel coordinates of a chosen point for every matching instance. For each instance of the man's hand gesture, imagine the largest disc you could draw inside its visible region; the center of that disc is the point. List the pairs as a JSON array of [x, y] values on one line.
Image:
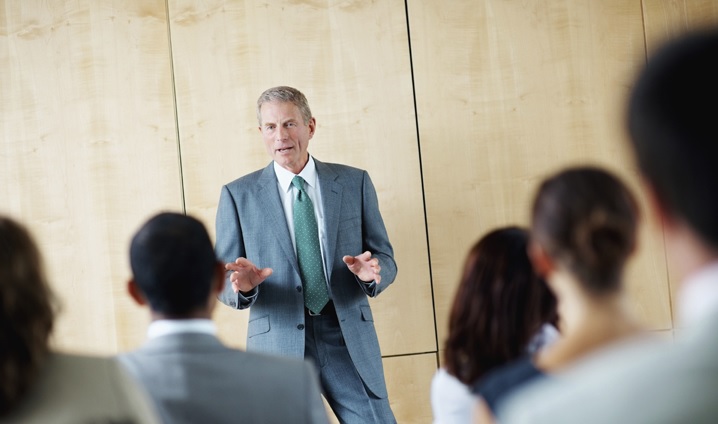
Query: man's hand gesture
[[364, 267], [246, 275]]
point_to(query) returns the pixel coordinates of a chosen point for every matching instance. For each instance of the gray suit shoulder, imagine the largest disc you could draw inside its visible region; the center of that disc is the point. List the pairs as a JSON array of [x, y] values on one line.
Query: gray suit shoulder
[[247, 179], [341, 169]]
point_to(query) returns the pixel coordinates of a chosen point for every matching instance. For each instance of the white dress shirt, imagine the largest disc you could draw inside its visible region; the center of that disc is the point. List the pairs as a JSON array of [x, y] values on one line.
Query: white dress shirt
[[451, 400], [164, 327], [698, 296]]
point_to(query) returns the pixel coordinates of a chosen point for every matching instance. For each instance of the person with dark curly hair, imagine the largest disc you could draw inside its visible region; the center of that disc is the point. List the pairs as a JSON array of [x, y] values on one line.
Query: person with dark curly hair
[[36, 384], [500, 310]]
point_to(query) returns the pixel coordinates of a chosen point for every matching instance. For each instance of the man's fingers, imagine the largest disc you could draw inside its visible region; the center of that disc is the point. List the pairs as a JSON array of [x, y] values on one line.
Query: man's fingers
[[349, 260], [265, 272], [235, 286]]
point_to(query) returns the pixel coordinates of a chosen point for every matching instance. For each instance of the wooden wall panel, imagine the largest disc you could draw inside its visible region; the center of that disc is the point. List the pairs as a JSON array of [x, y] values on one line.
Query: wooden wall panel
[[87, 150], [508, 92], [351, 59], [408, 380], [665, 20]]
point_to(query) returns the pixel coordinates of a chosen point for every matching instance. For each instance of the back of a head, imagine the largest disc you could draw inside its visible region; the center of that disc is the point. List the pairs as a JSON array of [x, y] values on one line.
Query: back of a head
[[585, 219], [173, 263], [499, 305], [26, 313], [673, 124]]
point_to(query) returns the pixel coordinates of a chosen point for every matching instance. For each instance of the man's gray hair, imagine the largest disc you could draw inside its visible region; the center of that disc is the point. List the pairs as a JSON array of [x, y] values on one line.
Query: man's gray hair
[[284, 94]]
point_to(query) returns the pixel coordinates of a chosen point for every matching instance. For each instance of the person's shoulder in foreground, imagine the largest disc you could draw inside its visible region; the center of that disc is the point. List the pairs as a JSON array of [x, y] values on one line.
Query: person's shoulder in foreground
[[82, 389], [641, 381]]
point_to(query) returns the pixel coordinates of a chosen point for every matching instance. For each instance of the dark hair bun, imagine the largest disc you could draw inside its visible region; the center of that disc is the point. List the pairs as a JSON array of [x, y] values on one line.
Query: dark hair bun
[[586, 219]]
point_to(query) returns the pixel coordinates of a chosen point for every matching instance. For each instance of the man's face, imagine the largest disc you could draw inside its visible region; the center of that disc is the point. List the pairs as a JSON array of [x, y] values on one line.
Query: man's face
[[285, 134]]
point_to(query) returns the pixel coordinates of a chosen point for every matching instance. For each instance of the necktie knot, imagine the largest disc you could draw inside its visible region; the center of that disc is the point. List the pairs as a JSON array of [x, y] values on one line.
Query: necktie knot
[[298, 183]]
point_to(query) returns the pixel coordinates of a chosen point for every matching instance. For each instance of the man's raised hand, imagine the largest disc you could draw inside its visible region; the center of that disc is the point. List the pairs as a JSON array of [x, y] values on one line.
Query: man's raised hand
[[364, 267], [246, 275]]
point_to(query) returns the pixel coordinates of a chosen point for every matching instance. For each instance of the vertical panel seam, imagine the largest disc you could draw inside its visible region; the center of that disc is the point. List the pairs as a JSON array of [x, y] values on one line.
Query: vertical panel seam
[[421, 173], [174, 108], [663, 231]]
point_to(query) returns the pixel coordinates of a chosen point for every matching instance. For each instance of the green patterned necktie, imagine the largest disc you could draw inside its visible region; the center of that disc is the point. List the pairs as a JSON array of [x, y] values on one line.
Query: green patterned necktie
[[309, 254]]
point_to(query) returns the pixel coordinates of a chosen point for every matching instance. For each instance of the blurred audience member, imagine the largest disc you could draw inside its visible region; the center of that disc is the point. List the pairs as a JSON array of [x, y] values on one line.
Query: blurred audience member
[[501, 307], [583, 231], [190, 374], [37, 385], [673, 131]]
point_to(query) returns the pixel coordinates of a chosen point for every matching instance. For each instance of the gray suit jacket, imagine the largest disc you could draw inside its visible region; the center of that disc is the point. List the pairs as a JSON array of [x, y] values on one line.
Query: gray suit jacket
[[194, 378], [251, 224]]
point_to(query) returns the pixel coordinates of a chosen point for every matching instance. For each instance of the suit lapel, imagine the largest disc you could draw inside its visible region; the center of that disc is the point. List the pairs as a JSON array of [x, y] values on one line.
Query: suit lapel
[[332, 200], [271, 207]]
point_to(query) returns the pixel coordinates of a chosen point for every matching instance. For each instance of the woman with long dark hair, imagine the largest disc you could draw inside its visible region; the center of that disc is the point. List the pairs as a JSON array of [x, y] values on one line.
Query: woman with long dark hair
[[37, 385], [499, 308]]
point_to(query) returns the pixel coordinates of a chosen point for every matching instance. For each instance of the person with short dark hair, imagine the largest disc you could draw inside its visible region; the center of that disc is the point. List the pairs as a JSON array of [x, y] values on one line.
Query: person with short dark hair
[[502, 310], [583, 231], [36, 384], [191, 376], [672, 124]]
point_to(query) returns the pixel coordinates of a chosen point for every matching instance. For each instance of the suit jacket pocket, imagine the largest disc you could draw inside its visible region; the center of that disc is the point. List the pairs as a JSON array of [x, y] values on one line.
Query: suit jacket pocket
[[366, 314], [258, 326]]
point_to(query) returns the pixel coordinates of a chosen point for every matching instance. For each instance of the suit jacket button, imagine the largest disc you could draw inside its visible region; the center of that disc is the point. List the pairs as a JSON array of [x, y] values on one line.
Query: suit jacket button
[[300, 327], [299, 289], [232, 303]]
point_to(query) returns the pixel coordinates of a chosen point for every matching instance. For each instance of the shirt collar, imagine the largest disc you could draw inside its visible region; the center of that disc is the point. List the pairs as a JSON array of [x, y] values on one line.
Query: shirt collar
[[164, 327], [309, 173], [699, 295]]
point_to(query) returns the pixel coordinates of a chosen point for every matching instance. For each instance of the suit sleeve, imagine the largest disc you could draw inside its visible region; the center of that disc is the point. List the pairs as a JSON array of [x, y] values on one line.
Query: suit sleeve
[[375, 239], [230, 246]]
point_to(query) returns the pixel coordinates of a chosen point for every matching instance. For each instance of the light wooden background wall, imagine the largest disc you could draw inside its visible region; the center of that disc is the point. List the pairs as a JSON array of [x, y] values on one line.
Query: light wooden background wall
[[113, 110]]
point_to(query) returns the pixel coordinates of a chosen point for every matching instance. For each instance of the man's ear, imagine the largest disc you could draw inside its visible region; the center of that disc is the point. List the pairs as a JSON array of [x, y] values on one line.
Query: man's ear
[[312, 127], [542, 263], [134, 290]]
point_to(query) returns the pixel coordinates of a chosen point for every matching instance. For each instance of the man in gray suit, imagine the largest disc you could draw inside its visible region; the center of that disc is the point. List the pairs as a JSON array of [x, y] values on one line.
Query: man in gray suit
[[191, 376], [321, 311], [673, 124]]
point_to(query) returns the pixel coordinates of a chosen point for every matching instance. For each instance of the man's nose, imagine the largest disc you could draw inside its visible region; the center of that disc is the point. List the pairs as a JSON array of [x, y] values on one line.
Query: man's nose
[[281, 133]]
